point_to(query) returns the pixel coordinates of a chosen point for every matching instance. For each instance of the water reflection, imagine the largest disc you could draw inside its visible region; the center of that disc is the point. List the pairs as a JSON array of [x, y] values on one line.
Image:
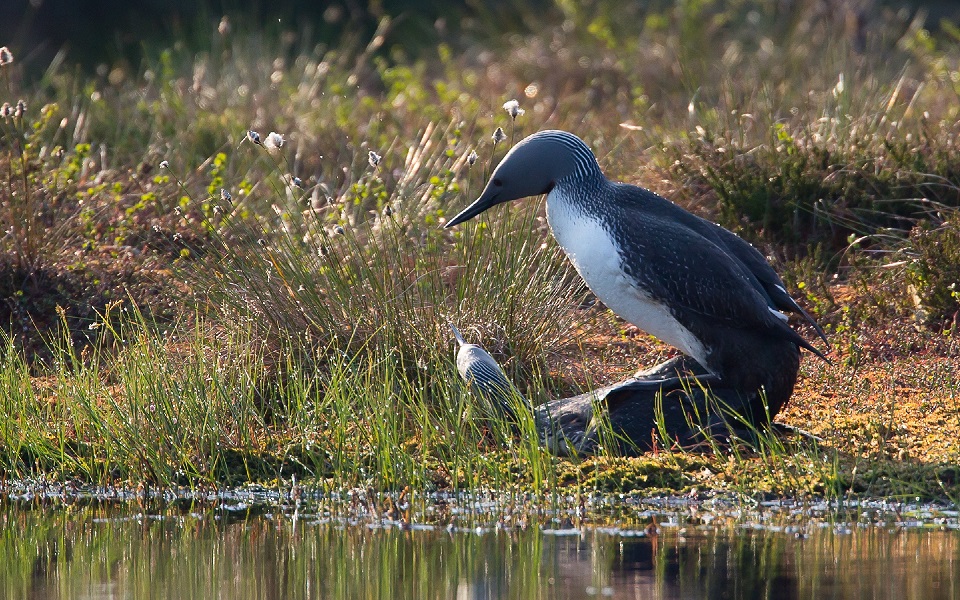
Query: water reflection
[[103, 551]]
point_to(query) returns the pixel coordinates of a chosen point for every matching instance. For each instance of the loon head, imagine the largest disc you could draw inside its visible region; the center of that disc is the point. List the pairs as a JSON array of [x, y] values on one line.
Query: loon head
[[533, 167]]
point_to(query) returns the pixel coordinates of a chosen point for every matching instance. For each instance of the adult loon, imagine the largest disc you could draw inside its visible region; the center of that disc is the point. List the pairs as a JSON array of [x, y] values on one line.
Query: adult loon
[[681, 278]]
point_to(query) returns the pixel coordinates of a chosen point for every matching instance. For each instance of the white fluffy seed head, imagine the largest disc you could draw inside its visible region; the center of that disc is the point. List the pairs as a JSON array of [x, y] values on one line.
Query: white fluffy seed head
[[274, 141], [513, 108]]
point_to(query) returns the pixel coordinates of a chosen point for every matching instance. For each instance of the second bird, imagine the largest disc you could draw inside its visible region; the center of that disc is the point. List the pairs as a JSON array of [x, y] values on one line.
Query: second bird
[[681, 278]]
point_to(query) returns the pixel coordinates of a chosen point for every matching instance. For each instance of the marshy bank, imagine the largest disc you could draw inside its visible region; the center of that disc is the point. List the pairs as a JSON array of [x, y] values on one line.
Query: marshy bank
[[190, 300]]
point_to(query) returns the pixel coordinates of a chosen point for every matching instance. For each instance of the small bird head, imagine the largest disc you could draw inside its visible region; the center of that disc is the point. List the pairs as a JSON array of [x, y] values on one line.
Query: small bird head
[[472, 359], [532, 167]]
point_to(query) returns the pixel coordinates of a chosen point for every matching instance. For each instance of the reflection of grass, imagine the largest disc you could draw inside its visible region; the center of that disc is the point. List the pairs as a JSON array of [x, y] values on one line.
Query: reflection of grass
[[302, 327], [349, 548]]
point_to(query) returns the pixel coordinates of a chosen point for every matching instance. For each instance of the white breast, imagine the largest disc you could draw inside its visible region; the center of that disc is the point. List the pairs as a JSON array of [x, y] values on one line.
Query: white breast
[[593, 253]]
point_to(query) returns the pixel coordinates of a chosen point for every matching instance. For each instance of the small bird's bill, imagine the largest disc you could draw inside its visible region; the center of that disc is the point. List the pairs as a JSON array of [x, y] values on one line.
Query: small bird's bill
[[457, 335]]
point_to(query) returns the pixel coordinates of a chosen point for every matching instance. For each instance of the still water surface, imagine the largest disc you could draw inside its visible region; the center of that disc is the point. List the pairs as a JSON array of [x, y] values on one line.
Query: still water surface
[[101, 550]]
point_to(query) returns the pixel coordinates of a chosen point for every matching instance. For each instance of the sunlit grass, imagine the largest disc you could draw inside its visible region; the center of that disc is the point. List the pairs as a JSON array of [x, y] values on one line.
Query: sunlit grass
[[210, 408]]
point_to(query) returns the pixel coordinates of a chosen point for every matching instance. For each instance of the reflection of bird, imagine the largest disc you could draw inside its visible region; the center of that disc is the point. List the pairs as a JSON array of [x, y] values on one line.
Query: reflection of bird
[[486, 378], [681, 278]]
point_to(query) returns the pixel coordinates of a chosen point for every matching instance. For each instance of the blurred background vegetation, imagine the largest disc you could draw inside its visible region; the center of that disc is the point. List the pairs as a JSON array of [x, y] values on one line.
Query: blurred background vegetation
[[117, 32], [811, 128], [822, 131]]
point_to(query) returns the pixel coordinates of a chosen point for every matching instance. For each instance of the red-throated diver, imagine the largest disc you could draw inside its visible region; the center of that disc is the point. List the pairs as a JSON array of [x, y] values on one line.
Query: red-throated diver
[[681, 278]]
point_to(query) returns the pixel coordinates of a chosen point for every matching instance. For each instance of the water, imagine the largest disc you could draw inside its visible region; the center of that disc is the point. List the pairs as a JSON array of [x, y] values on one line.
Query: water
[[233, 547]]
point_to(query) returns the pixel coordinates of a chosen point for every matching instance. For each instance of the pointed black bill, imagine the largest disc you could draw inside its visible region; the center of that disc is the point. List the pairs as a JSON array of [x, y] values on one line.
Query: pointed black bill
[[485, 201]]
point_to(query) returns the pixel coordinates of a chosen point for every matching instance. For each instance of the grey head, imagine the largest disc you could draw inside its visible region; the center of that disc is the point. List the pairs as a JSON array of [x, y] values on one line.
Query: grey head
[[536, 165]]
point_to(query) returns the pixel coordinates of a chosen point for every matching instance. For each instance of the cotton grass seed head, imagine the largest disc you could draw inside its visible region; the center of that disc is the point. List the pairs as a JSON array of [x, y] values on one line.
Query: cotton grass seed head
[[6, 111], [20, 110], [472, 158], [164, 164], [513, 109], [274, 141], [6, 57], [499, 135], [225, 195], [253, 136], [374, 159]]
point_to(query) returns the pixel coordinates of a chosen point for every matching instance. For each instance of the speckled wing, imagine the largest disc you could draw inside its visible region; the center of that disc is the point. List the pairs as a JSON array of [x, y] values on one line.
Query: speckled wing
[[701, 284], [768, 281], [768, 278]]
